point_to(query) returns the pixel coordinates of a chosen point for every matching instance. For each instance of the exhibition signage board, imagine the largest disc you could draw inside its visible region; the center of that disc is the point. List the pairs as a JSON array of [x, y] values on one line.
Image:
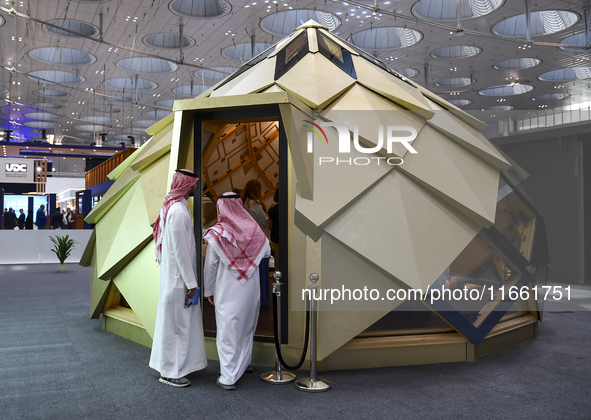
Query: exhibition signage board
[[17, 170]]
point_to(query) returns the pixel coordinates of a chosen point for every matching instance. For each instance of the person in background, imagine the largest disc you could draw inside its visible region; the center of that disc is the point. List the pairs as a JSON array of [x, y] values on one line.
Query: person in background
[[3, 213], [273, 214], [41, 218], [64, 220], [235, 247], [253, 203], [9, 220], [29, 220], [56, 220], [71, 218], [21, 219]]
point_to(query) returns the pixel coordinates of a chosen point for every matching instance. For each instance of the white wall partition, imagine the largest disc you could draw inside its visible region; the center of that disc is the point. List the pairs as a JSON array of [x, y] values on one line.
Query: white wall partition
[[34, 246]]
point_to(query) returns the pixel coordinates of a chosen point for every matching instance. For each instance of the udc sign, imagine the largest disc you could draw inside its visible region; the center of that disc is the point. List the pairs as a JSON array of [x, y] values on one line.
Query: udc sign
[[385, 135], [16, 170], [15, 167]]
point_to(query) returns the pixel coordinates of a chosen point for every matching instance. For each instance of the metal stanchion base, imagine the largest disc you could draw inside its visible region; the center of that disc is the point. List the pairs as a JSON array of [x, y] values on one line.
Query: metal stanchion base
[[306, 385], [279, 378]]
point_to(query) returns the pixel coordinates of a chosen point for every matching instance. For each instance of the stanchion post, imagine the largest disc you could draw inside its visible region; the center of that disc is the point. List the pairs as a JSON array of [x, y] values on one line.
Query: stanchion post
[[313, 384], [278, 377]]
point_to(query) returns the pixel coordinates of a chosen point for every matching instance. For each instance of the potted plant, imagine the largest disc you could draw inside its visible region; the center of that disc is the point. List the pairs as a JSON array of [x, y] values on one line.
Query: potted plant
[[62, 247]]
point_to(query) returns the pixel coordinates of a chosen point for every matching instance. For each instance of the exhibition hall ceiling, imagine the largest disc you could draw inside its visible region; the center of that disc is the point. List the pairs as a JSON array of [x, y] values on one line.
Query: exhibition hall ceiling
[[82, 67]]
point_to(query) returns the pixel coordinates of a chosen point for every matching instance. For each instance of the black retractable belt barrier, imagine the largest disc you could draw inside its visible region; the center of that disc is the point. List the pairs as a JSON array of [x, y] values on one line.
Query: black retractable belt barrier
[[279, 377]]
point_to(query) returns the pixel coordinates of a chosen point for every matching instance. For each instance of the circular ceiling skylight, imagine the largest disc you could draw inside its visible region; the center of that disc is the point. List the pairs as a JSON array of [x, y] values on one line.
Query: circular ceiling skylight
[[43, 116], [200, 9], [506, 90], [285, 22], [243, 52], [167, 103], [459, 51], [128, 83], [56, 76], [168, 40], [550, 97], [578, 39], [498, 108], [148, 65], [3, 102], [91, 127], [215, 76], [100, 120], [566, 74], [108, 110], [46, 105], [186, 90], [144, 123], [42, 124], [57, 27], [3, 89], [157, 114], [517, 63], [544, 22], [51, 93], [460, 102], [62, 56], [445, 10], [409, 72], [2, 21], [455, 82], [118, 98], [387, 38]]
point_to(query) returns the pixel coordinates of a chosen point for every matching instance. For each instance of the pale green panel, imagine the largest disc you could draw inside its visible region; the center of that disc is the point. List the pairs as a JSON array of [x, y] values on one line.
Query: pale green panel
[[417, 236], [303, 162], [154, 185], [342, 320], [463, 180], [155, 153], [116, 173], [98, 289], [335, 186], [139, 283], [113, 194], [468, 137], [88, 253], [133, 232]]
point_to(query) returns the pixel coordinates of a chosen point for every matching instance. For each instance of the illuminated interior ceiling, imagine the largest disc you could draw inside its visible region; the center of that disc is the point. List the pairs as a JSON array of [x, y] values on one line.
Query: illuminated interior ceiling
[[46, 105], [237, 153], [61, 55]]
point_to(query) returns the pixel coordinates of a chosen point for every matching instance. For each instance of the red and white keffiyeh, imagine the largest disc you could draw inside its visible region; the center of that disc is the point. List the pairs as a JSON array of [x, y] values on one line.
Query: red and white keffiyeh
[[237, 238], [182, 182]]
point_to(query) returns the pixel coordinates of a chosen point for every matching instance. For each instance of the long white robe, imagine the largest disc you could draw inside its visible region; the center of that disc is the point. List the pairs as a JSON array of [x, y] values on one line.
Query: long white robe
[[236, 313], [178, 347]]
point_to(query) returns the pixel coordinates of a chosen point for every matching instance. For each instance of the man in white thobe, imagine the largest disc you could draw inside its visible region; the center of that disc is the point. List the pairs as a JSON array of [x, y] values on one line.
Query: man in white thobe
[[236, 245], [178, 347]]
